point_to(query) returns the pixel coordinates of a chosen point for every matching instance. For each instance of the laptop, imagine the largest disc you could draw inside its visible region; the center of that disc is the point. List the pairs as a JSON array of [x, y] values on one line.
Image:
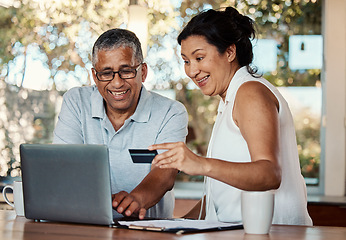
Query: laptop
[[66, 183]]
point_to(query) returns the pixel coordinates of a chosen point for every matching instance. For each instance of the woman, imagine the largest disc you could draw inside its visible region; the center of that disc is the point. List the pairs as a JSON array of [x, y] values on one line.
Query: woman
[[253, 143]]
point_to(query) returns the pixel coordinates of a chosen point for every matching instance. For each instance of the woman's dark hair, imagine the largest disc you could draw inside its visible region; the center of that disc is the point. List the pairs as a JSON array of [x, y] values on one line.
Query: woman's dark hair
[[222, 29]]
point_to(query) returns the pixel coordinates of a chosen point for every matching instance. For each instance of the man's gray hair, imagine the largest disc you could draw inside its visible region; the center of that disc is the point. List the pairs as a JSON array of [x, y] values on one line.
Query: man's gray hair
[[115, 38]]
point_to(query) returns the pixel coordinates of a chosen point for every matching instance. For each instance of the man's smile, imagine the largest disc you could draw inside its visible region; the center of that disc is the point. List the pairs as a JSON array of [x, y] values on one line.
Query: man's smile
[[117, 93]]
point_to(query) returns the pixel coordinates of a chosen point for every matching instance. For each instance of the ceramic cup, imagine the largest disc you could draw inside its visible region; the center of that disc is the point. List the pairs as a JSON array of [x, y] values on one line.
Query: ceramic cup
[[257, 209], [18, 203]]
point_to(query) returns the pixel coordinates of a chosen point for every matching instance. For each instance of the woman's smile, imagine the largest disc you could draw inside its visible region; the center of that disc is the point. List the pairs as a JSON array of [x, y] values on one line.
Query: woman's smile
[[203, 81]]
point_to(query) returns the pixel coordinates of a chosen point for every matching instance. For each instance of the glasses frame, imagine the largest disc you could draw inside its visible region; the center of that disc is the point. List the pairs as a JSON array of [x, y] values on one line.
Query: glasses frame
[[119, 73]]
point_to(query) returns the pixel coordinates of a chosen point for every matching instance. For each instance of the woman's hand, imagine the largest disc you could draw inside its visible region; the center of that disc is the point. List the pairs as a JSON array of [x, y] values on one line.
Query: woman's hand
[[180, 157]]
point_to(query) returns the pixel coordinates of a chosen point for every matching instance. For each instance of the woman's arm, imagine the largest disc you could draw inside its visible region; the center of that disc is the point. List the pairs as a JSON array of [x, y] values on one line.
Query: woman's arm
[[256, 114]]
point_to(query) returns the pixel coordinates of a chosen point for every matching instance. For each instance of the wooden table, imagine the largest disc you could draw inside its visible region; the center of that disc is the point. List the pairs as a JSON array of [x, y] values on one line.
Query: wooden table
[[12, 227]]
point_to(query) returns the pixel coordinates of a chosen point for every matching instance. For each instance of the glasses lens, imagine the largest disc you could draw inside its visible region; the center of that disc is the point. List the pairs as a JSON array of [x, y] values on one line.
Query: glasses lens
[[105, 76], [123, 74], [130, 73]]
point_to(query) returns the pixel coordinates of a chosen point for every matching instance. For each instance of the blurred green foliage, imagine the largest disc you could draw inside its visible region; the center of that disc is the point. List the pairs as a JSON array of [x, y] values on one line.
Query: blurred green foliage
[[64, 32], [275, 20]]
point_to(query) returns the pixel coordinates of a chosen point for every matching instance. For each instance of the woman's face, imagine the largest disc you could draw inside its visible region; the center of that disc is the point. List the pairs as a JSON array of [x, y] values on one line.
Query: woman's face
[[208, 69]]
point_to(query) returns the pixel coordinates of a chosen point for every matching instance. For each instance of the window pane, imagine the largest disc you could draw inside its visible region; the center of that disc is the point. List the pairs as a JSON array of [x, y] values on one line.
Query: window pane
[[288, 52]]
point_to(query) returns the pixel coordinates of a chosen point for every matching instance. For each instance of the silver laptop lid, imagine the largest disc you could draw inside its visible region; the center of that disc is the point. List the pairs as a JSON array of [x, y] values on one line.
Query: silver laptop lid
[[66, 183]]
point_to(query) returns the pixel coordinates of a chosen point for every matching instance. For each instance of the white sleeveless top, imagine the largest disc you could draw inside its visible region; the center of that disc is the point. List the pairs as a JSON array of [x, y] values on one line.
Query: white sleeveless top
[[227, 143]]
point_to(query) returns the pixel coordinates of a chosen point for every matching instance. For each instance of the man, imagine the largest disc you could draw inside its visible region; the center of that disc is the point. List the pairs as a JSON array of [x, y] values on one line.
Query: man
[[120, 113]]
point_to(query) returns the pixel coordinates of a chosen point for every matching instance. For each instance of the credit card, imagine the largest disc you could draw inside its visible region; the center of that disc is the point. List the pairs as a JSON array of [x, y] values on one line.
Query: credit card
[[142, 155]]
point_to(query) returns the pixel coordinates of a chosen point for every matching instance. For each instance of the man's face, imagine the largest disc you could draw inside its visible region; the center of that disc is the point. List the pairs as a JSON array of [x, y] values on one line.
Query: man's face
[[121, 95]]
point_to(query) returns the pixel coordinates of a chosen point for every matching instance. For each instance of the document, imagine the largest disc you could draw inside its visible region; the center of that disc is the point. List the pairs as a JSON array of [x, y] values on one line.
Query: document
[[180, 226]]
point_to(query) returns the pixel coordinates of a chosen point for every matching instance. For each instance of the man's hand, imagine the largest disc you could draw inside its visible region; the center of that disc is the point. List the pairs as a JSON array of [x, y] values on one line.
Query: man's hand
[[127, 205]]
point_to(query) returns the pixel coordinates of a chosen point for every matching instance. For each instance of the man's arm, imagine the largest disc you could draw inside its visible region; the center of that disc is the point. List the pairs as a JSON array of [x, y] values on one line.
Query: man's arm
[[148, 193], [154, 186], [68, 128]]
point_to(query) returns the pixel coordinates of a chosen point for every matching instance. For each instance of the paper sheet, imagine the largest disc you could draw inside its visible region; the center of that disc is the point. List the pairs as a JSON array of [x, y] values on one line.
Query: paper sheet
[[178, 223]]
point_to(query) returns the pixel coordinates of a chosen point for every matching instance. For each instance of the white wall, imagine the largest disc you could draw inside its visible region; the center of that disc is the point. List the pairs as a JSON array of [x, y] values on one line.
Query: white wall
[[334, 31]]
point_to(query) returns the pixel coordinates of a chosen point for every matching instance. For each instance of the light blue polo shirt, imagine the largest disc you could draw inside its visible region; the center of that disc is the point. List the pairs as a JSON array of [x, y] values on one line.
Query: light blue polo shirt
[[157, 119]]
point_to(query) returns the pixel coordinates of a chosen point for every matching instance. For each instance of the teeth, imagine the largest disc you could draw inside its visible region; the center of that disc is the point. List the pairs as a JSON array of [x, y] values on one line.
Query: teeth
[[118, 93], [203, 79]]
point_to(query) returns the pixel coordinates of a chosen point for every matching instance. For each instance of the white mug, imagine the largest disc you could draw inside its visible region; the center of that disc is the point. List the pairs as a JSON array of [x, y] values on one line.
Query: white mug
[[18, 203], [257, 209]]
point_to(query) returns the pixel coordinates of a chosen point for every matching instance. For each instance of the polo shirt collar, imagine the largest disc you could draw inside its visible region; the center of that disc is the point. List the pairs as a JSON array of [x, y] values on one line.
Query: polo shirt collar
[[97, 107], [143, 109], [141, 114]]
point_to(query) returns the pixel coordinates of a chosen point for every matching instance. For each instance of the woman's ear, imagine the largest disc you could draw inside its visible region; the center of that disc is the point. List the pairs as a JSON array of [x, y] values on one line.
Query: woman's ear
[[231, 52]]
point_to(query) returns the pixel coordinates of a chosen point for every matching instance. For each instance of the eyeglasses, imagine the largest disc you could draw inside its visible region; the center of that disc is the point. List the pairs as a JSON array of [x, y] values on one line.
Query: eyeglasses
[[107, 76]]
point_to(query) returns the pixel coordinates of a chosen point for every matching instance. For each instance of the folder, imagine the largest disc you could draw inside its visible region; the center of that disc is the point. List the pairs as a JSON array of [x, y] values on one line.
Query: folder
[[178, 226]]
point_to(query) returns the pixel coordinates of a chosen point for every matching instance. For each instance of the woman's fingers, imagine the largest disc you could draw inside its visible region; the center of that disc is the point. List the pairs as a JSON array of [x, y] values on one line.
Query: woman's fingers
[[165, 157], [167, 146], [162, 159], [175, 152]]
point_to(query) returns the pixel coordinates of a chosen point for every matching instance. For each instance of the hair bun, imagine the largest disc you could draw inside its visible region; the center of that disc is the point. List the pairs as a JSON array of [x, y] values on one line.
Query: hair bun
[[243, 22], [232, 11]]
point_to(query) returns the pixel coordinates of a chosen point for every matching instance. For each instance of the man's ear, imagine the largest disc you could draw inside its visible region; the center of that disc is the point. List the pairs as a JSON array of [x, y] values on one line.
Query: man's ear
[[144, 71], [93, 73], [231, 52]]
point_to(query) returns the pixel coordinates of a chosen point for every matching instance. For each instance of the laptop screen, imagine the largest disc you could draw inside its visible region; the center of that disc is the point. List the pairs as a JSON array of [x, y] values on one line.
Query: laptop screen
[[66, 183]]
